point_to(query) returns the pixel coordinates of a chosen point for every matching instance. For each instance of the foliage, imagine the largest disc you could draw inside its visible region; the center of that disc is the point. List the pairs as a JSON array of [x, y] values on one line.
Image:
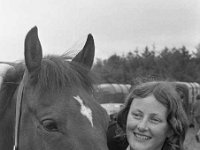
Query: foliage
[[170, 64]]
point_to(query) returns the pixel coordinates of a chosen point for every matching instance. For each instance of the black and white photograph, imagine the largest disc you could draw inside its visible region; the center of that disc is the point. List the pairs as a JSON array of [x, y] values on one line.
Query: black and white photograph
[[99, 75]]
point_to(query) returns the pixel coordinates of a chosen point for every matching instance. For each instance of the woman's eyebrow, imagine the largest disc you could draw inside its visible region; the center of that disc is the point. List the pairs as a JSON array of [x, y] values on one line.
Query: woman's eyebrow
[[156, 114], [137, 110]]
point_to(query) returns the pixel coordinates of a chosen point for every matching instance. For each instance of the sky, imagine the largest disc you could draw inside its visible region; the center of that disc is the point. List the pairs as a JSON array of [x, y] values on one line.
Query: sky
[[118, 26]]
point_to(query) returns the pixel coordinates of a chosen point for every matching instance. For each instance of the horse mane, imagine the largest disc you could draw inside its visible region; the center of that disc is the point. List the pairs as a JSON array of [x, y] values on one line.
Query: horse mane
[[57, 72]]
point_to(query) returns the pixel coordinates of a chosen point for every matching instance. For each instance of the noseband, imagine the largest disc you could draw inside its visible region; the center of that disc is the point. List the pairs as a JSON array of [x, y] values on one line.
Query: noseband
[[18, 112]]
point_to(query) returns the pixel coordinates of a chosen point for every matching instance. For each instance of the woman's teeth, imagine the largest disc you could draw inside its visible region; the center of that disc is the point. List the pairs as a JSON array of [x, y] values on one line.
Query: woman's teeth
[[141, 137]]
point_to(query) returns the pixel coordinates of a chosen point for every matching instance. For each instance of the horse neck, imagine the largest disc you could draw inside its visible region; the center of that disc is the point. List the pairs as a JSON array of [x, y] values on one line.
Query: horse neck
[[7, 118]]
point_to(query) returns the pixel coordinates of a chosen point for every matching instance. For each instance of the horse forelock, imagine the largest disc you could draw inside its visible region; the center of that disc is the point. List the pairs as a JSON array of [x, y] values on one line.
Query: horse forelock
[[57, 72]]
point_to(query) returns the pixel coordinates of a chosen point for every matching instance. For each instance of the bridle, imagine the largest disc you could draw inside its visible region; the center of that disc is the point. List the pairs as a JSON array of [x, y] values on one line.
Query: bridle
[[18, 111]]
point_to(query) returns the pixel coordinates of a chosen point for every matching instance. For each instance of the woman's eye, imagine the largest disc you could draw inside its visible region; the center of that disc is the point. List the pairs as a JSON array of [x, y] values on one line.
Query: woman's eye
[[137, 115], [155, 120], [50, 125]]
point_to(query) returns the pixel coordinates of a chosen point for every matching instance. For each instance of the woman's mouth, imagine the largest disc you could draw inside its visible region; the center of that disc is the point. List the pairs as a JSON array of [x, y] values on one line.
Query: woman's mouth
[[141, 137]]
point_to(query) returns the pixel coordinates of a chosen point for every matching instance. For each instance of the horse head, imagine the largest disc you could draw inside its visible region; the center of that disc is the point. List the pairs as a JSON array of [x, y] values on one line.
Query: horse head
[[55, 106]]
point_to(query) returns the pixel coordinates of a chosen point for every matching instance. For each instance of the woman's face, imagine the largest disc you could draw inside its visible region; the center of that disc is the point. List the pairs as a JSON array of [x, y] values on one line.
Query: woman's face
[[147, 126]]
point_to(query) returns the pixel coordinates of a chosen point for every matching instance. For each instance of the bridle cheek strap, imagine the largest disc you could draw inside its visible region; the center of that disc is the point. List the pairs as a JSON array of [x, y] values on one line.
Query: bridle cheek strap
[[18, 111]]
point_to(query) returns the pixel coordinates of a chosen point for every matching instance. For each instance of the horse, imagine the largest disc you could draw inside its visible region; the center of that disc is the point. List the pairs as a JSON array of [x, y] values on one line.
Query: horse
[[47, 103]]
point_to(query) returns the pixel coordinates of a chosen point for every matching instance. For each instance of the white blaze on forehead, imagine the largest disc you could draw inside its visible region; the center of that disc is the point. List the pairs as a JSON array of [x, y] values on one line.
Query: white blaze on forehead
[[3, 69], [85, 111]]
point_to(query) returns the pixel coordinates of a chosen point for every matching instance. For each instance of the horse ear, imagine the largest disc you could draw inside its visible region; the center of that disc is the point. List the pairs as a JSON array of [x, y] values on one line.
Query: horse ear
[[86, 55], [33, 50]]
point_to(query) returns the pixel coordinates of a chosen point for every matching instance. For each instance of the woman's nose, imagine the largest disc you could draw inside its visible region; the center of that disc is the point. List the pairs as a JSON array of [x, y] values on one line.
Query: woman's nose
[[142, 125]]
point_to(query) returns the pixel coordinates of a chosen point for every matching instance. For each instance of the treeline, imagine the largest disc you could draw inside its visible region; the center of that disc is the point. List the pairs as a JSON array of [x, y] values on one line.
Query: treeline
[[175, 64]]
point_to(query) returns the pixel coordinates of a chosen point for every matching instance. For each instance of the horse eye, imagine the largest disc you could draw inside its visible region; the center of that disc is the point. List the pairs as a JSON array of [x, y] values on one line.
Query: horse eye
[[50, 125]]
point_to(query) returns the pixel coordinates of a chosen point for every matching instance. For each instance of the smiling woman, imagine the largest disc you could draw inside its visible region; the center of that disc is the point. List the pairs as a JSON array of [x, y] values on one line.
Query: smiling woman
[[153, 118]]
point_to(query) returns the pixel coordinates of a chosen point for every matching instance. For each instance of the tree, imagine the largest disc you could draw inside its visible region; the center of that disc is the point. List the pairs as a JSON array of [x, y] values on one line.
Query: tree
[[171, 64]]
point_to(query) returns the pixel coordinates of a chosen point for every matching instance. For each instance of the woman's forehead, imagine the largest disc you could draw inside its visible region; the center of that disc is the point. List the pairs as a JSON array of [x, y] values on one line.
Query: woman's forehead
[[148, 105]]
